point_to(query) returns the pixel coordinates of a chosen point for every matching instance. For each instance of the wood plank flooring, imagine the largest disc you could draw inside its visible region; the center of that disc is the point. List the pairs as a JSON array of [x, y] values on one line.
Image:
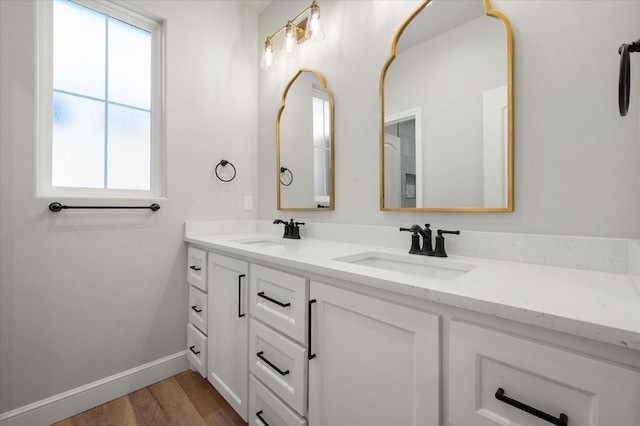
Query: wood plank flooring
[[184, 399]]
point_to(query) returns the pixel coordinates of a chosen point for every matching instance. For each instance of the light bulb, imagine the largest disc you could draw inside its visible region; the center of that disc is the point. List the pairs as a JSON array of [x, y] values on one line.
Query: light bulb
[[290, 35], [313, 26], [269, 60]]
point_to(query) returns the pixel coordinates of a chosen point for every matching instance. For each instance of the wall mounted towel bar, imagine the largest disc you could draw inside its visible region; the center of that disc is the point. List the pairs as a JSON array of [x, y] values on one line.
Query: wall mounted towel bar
[[56, 207], [224, 163]]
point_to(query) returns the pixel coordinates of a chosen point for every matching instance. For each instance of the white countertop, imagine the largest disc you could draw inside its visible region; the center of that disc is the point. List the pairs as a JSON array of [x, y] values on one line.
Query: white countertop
[[603, 306]]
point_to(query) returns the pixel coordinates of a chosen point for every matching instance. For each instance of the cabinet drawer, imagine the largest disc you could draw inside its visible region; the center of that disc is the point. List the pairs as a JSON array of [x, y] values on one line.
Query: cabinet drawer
[[197, 349], [197, 268], [279, 363], [279, 300], [588, 391], [263, 404], [198, 308]]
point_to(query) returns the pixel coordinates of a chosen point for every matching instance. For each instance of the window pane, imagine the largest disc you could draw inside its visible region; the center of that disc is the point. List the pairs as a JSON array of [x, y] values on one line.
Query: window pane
[[129, 149], [78, 142], [129, 65], [78, 49]]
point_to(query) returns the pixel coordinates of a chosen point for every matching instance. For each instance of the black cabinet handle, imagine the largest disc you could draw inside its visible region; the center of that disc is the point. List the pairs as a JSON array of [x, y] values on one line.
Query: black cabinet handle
[[191, 348], [259, 415], [311, 355], [195, 268], [562, 420], [195, 308], [284, 305], [282, 373], [240, 277]]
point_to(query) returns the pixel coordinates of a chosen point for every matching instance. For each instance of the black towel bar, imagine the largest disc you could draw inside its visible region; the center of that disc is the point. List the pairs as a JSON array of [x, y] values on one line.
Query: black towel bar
[[56, 207]]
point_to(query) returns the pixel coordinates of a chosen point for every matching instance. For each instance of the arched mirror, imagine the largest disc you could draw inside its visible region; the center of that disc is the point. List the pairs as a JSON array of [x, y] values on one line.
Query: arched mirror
[[304, 144], [446, 111]]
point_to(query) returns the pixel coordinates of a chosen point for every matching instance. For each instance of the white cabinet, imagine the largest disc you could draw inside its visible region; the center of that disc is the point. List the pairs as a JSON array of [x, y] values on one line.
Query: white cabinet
[[266, 409], [198, 309], [278, 329], [279, 299], [197, 344], [280, 363], [227, 329], [552, 381], [197, 268], [286, 351], [197, 327], [376, 362]]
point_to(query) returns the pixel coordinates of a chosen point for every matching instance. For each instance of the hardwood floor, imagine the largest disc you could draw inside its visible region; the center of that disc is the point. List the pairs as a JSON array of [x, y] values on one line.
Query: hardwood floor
[[184, 399]]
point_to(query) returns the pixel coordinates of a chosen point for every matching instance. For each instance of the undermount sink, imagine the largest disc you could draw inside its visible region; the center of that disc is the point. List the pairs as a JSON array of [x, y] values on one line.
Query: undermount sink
[[260, 242], [430, 267]]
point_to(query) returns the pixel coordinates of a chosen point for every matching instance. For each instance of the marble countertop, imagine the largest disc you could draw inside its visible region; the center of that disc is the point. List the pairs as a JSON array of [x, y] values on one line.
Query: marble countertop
[[603, 306]]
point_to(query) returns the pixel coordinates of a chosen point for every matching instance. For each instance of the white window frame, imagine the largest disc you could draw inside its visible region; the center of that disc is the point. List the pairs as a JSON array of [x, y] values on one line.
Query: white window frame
[[141, 20], [326, 169]]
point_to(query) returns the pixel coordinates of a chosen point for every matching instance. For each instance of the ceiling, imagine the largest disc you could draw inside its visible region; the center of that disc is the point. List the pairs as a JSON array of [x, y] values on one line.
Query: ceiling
[[256, 5]]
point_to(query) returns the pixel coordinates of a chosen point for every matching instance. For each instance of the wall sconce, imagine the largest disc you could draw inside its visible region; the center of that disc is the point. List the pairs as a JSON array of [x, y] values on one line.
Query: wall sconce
[[297, 30]]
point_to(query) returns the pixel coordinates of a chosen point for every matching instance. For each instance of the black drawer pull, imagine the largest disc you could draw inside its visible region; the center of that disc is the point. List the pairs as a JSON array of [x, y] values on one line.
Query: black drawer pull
[[282, 373], [259, 415], [240, 277], [191, 348], [311, 354], [284, 305], [195, 268], [562, 420], [195, 308]]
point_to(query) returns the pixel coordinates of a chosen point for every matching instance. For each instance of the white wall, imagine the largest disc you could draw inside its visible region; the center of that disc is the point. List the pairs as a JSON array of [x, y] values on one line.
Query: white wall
[[86, 294], [577, 165]]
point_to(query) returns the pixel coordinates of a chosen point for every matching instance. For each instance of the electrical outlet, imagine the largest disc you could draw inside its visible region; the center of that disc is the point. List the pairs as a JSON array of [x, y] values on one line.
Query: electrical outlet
[[248, 202]]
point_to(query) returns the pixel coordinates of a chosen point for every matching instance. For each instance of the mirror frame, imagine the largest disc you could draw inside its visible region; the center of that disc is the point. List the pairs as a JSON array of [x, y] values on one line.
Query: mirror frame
[[332, 201], [509, 33]]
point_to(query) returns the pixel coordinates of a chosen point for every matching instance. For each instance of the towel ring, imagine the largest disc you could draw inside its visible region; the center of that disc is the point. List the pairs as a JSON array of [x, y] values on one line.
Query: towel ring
[[282, 170], [624, 84], [224, 163]]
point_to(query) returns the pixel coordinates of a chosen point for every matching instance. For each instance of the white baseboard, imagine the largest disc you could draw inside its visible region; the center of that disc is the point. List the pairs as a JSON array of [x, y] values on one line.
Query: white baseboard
[[70, 403]]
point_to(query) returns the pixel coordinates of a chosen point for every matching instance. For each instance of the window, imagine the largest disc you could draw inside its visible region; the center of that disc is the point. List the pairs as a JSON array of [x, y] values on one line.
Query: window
[[321, 146], [101, 101]]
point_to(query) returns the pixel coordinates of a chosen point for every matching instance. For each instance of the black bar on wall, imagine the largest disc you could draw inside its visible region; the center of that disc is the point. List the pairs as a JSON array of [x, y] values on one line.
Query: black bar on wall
[[56, 207]]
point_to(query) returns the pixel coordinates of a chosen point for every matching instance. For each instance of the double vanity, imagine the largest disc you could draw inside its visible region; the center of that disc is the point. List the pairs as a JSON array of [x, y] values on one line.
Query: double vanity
[[322, 332]]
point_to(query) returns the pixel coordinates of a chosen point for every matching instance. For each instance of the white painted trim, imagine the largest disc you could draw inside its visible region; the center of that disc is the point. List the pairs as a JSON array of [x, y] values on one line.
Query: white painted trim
[[416, 114], [74, 401]]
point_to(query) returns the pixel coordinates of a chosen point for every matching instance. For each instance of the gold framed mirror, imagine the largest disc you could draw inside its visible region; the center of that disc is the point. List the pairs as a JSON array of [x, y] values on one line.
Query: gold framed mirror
[[305, 144], [446, 111]]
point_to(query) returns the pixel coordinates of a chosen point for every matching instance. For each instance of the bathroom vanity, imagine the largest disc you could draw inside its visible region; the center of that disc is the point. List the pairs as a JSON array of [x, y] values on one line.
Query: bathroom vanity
[[318, 332]]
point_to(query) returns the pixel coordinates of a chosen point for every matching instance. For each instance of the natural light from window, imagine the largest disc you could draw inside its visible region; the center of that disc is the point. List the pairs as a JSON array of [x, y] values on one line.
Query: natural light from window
[[102, 82]]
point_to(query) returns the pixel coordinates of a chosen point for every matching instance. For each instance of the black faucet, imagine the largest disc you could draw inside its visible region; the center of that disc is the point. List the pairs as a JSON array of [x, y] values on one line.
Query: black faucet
[[291, 229], [418, 231], [440, 251]]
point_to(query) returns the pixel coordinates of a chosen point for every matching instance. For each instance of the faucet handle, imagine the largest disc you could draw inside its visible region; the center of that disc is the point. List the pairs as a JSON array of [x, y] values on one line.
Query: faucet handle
[[415, 238], [439, 250]]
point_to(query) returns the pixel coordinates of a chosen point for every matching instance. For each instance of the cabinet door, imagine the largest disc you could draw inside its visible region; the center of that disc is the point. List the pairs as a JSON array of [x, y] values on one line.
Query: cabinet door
[[228, 329], [280, 363], [265, 407], [376, 362], [198, 309], [197, 344], [279, 299], [197, 268], [552, 381]]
